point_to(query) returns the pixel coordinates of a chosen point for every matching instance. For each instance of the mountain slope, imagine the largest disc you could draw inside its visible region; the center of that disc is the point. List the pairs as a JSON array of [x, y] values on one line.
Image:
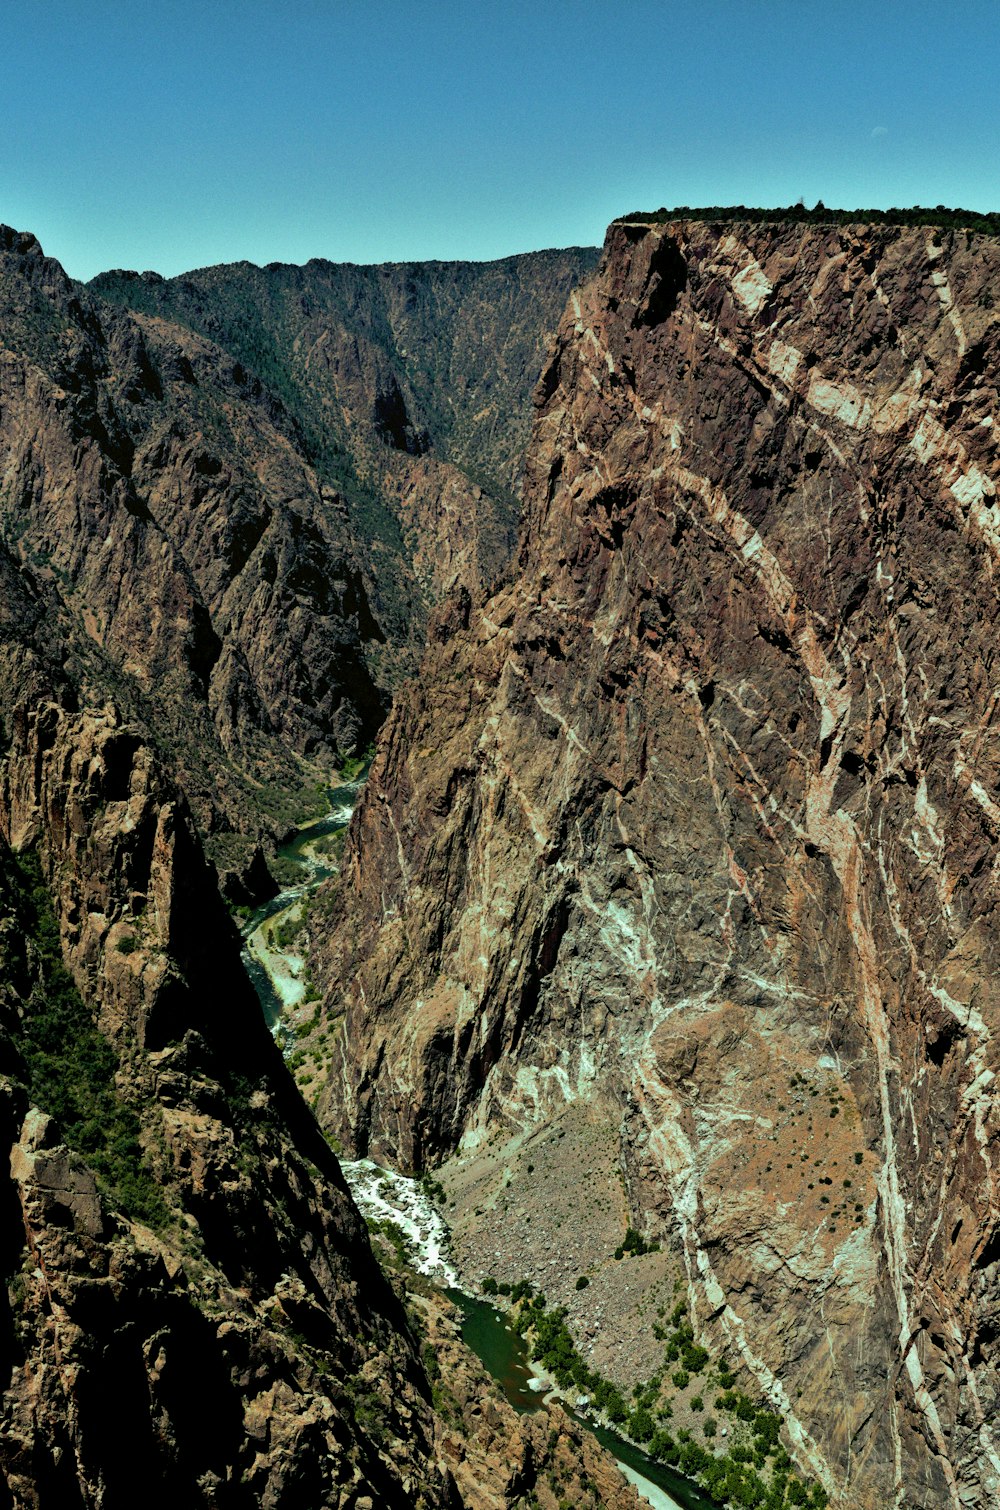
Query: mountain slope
[[186, 545], [192, 1312], [191, 1309], [410, 386], [185, 1269], [677, 864]]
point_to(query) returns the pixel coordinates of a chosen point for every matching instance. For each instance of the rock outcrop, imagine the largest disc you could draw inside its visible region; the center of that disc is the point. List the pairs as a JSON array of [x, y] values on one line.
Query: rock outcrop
[[187, 1272], [194, 563], [191, 1307], [695, 824], [249, 534], [409, 385]]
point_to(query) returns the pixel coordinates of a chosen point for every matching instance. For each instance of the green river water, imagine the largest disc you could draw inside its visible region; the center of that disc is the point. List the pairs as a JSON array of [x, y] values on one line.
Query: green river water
[[484, 1329], [504, 1355]]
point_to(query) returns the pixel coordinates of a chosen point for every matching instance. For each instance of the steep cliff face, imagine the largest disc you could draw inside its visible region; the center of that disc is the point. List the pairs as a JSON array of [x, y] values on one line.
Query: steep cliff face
[[410, 386], [189, 1274], [191, 1308], [691, 833], [193, 561]]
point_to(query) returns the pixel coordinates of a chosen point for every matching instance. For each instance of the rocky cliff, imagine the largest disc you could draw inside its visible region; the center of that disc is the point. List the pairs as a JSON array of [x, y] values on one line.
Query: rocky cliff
[[410, 386], [234, 493], [191, 1311], [193, 563], [186, 1272], [678, 861]]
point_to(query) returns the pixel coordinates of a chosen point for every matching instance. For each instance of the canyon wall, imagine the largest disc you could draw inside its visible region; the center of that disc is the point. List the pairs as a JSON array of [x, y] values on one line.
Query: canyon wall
[[192, 1310], [409, 385], [242, 493], [693, 826], [192, 1313], [193, 563]]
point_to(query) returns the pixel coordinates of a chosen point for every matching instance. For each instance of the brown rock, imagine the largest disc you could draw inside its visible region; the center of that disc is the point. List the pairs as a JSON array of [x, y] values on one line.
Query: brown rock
[[699, 816]]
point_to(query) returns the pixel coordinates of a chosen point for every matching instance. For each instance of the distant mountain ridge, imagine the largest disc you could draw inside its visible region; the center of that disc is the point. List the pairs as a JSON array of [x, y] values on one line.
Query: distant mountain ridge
[[409, 387]]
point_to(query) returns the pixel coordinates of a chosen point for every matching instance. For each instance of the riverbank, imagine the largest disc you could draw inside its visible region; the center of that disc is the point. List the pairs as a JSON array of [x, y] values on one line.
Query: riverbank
[[401, 1210]]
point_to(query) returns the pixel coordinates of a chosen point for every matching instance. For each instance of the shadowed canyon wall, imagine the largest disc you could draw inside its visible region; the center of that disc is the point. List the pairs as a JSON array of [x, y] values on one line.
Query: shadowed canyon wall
[[191, 1312], [216, 485], [409, 385]]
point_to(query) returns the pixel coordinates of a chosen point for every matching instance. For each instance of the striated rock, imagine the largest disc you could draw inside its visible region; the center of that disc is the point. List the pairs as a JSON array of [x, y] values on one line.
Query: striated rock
[[207, 1293], [697, 820]]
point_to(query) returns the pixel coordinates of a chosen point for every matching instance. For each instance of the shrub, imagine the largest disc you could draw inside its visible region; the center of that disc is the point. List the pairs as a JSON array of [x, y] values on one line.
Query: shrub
[[640, 1425], [635, 1245], [72, 1067], [664, 1448], [582, 1282]]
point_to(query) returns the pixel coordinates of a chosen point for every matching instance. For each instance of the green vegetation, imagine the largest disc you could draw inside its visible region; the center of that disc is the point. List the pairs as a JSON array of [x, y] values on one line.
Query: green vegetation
[[985, 224], [433, 1189], [387, 1228], [286, 930], [753, 1471], [351, 769], [635, 1245], [71, 1066]]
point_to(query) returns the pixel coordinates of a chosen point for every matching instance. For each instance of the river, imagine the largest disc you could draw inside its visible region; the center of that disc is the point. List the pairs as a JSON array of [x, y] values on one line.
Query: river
[[278, 974]]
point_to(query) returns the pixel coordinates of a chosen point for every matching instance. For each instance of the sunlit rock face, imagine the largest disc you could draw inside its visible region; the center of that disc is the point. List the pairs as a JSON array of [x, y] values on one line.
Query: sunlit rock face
[[699, 814]]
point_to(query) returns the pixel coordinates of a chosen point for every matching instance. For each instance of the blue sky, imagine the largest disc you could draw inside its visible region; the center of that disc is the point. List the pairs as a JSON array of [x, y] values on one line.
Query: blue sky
[[170, 135]]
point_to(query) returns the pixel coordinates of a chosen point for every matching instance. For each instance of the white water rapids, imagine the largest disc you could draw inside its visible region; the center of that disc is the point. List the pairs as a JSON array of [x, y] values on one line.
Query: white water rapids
[[381, 1195], [384, 1195]]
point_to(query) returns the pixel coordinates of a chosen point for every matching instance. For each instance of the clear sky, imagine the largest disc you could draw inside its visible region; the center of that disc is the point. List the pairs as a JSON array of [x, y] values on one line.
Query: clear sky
[[170, 134]]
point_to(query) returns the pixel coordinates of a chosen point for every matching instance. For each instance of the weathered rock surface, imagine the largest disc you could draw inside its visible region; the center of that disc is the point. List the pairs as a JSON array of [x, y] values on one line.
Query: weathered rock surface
[[191, 1312], [251, 554], [698, 817], [248, 1350], [410, 387], [192, 560], [210, 1324]]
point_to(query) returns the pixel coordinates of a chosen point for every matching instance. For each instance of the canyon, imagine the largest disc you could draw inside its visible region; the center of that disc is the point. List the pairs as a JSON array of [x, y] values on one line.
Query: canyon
[[671, 899], [190, 1293], [664, 933]]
